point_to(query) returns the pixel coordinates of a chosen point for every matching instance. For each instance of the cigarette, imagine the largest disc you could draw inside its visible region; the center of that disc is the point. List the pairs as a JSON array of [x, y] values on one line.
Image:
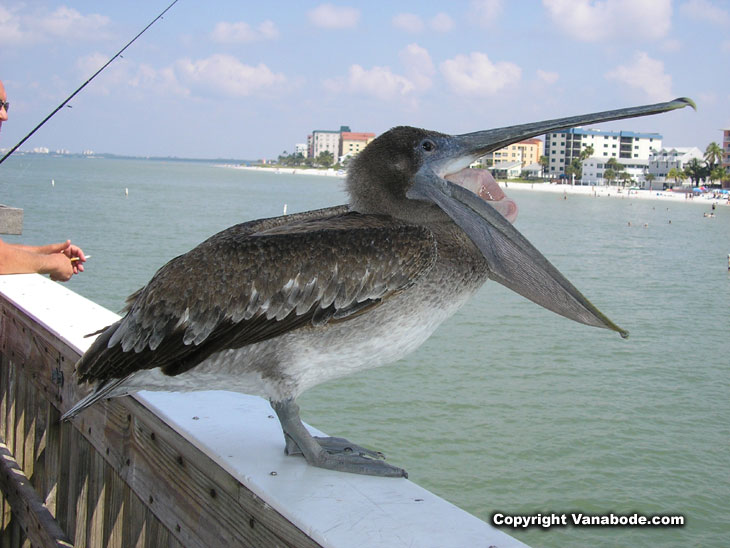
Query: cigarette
[[74, 259]]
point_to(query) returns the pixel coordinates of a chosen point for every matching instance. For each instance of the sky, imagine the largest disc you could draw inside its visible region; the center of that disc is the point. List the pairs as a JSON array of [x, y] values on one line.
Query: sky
[[249, 80]]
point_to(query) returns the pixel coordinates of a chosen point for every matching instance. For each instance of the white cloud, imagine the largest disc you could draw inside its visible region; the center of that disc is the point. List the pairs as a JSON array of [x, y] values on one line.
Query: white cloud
[[226, 75], [486, 12], [66, 22], [412, 23], [418, 65], [408, 22], [645, 74], [593, 21], [382, 83], [477, 75], [10, 31], [671, 45], [241, 32], [19, 28], [547, 77], [330, 16], [703, 10], [115, 74], [163, 81], [441, 22], [123, 74], [378, 82]]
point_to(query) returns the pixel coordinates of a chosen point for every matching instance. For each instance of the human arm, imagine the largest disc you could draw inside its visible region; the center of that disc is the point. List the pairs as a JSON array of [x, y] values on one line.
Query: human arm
[[53, 259]]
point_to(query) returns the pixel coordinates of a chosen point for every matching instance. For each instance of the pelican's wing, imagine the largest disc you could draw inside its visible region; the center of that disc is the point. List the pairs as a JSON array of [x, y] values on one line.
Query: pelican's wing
[[243, 286]]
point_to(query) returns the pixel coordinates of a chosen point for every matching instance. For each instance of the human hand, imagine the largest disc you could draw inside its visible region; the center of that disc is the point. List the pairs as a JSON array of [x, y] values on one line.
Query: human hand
[[63, 260], [59, 266], [72, 252], [75, 252]]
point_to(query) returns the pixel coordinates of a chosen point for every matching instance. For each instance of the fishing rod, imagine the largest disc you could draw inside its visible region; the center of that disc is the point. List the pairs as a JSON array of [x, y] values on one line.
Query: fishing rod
[[59, 107]]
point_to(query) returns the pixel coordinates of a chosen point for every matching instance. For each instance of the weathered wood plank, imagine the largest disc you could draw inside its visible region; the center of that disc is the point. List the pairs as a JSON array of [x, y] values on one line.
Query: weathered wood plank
[[52, 458], [6, 511], [11, 220], [179, 484], [18, 445], [30, 410], [40, 442], [65, 506], [198, 503], [6, 529], [114, 508], [9, 429], [96, 493], [134, 527], [28, 508], [78, 495]]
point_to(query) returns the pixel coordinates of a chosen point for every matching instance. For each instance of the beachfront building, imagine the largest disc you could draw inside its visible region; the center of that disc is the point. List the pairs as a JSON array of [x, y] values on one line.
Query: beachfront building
[[506, 170], [726, 149], [301, 148], [326, 140], [663, 160], [593, 170], [532, 171], [561, 147], [525, 153], [351, 143]]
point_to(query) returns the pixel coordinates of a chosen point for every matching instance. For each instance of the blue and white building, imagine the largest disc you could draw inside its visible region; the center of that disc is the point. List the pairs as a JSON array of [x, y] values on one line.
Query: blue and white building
[[561, 147]]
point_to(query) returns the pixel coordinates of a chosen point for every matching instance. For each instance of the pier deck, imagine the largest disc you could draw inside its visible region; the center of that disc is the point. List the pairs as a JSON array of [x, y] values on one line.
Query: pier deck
[[167, 469]]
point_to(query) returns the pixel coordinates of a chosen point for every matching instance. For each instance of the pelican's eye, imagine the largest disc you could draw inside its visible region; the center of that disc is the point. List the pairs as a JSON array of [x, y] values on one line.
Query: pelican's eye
[[428, 145]]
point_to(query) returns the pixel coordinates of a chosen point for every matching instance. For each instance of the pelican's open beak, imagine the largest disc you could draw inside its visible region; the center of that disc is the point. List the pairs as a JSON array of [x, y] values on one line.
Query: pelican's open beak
[[513, 261]]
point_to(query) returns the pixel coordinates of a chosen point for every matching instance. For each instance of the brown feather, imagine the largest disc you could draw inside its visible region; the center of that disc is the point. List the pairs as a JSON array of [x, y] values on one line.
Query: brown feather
[[262, 280]]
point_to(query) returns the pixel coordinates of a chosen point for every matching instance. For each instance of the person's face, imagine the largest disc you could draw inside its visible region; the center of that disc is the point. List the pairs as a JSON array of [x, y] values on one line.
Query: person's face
[[3, 98]]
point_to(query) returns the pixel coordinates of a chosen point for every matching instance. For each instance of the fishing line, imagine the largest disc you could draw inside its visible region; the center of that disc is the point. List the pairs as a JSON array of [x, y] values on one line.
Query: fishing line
[[59, 107]]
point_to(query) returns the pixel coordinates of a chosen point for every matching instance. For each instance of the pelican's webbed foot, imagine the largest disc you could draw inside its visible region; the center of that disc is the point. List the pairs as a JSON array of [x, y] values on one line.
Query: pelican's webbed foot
[[330, 453]]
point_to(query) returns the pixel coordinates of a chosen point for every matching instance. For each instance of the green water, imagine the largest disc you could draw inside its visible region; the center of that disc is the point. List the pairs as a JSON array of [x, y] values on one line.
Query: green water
[[507, 408]]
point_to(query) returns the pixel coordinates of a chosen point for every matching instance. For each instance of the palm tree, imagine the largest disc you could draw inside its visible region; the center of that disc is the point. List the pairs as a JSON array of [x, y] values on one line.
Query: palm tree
[[575, 169], [713, 155], [717, 174], [325, 159], [725, 180], [614, 166], [695, 171], [649, 178], [545, 163], [609, 175], [625, 178], [675, 174], [587, 152]]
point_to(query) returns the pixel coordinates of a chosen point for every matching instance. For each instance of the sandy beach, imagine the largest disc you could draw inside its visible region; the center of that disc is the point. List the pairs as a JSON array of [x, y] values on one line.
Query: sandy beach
[[564, 189], [617, 192]]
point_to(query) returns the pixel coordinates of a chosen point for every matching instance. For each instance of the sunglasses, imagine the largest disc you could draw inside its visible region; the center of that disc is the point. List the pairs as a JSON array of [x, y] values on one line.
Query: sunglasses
[[4, 105]]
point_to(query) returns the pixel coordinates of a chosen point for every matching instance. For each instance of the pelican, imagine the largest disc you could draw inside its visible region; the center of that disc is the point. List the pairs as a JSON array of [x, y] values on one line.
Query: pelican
[[287, 303]]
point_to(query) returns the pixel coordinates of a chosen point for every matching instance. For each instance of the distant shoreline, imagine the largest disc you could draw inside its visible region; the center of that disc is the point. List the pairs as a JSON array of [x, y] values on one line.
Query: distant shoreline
[[293, 170], [556, 188]]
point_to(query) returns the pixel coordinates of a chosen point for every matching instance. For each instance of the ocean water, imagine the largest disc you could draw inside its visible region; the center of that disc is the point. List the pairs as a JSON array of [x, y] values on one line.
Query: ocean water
[[507, 407]]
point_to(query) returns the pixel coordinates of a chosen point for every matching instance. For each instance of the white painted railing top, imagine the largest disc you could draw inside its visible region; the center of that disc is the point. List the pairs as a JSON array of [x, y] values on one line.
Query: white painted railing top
[[238, 432]]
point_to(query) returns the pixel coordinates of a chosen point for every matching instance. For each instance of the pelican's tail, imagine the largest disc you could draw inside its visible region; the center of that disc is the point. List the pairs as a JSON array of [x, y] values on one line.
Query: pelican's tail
[[106, 389]]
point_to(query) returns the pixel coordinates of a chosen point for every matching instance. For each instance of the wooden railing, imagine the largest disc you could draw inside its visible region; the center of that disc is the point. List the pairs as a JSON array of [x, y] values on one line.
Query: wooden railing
[[159, 469]]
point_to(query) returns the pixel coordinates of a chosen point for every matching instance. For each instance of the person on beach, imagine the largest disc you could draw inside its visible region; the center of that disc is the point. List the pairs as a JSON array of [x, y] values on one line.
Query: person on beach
[[61, 260]]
